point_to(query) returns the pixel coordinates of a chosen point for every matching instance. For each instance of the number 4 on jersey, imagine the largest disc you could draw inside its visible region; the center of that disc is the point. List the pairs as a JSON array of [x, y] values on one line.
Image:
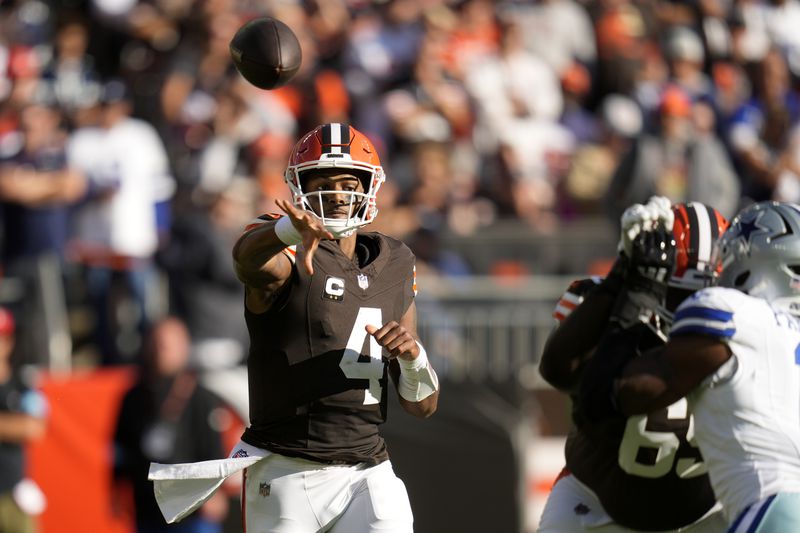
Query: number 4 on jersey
[[372, 369]]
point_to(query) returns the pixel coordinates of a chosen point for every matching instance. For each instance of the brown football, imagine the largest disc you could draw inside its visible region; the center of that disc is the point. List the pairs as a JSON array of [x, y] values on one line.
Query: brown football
[[266, 52]]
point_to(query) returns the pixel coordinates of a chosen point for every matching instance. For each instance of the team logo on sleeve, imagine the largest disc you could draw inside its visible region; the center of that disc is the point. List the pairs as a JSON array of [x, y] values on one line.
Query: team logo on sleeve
[[334, 289]]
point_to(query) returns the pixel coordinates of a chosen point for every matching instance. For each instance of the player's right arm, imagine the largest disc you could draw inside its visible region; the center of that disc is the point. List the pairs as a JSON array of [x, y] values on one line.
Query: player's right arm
[[697, 347], [257, 256]]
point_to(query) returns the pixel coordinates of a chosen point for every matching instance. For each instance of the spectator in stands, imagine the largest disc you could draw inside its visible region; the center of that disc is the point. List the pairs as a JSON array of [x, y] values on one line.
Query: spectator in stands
[[559, 32], [200, 65], [519, 103], [167, 416], [593, 164], [750, 39], [686, 56], [683, 161], [583, 124], [382, 49], [71, 71], [623, 29], [132, 177], [22, 420], [760, 130], [37, 190]]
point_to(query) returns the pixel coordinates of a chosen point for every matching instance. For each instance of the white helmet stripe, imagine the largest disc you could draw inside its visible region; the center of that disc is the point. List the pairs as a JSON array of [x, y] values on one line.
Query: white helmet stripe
[[336, 138], [704, 235]]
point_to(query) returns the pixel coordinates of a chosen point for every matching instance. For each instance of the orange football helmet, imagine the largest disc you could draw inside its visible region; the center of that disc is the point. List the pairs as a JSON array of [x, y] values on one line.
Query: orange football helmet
[[696, 229], [337, 145]]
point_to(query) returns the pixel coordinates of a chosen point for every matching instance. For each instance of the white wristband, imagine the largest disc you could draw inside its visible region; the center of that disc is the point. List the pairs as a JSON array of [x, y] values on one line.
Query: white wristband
[[286, 232], [417, 378]]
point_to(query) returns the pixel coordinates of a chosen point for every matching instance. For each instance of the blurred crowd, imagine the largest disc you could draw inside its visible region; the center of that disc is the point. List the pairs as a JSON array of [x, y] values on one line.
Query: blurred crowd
[[132, 153]]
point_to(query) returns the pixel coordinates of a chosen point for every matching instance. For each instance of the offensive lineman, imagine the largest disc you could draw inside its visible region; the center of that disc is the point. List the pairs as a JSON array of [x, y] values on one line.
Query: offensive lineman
[[643, 473], [734, 352]]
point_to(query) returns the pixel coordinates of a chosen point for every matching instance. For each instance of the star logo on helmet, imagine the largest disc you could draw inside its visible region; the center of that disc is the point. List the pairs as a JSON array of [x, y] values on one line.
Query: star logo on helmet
[[747, 228]]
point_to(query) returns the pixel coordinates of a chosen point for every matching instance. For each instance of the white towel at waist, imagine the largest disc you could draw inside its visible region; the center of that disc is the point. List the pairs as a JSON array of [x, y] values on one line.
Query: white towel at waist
[[181, 488]]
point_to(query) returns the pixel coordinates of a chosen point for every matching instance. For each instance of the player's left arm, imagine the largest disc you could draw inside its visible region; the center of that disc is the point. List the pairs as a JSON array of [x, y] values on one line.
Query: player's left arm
[[414, 377], [666, 374]]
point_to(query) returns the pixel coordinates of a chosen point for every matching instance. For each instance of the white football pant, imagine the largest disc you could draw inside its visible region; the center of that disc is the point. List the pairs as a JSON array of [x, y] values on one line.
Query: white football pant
[[559, 515], [292, 495]]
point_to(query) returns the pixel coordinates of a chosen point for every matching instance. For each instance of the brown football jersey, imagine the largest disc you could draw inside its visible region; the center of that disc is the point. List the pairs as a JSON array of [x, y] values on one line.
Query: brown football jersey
[[317, 379], [644, 469]]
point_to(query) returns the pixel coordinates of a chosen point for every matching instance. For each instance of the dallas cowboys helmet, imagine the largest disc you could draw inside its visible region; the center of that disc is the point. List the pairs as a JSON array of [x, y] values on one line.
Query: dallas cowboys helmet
[[760, 254]]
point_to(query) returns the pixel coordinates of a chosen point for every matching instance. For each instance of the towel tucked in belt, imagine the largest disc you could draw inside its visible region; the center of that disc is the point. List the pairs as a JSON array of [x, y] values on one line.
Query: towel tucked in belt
[[181, 488]]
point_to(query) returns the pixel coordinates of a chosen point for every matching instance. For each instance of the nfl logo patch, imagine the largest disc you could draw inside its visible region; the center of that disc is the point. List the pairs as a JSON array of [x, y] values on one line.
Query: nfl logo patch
[[239, 453], [263, 489], [363, 281]]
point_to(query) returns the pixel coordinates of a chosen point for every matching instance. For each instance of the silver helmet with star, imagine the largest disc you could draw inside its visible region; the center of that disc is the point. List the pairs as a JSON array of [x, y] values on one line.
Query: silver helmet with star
[[759, 254]]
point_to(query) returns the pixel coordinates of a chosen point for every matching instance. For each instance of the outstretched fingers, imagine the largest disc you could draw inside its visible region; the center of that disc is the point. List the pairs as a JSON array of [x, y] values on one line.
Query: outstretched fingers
[[310, 228], [310, 246], [291, 211]]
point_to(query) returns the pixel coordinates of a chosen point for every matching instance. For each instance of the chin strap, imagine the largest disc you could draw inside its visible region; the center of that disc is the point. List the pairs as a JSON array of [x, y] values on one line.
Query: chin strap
[[418, 380]]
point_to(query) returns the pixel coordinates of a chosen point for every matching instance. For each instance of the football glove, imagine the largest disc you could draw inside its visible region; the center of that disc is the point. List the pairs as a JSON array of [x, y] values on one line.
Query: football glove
[[645, 287], [639, 218]]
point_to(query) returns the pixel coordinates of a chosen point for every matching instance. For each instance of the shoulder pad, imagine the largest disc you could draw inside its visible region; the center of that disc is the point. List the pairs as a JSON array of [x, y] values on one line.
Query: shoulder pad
[[708, 312]]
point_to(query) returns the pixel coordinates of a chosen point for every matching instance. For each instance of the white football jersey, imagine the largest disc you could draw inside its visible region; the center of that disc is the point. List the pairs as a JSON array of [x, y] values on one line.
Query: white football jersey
[[747, 414]]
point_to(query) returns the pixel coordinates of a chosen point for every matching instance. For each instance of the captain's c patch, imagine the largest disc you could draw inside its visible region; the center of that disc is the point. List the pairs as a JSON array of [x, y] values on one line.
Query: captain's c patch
[[334, 289]]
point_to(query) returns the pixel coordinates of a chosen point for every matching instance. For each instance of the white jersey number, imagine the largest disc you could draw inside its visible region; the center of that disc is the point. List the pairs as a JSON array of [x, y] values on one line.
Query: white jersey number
[[666, 443], [372, 369]]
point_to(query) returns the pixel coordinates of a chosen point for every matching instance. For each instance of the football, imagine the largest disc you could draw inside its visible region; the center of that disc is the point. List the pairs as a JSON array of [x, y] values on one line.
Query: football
[[266, 52]]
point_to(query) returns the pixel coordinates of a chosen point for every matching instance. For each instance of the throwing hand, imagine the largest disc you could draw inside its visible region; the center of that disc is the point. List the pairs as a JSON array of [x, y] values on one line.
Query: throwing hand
[[310, 228]]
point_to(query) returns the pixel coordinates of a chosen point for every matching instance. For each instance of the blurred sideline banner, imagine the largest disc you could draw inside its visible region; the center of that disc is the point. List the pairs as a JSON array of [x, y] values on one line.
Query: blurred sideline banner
[[73, 462]]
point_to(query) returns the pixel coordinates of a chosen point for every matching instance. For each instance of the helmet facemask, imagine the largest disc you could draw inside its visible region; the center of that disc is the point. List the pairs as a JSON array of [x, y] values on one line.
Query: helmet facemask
[[361, 208]]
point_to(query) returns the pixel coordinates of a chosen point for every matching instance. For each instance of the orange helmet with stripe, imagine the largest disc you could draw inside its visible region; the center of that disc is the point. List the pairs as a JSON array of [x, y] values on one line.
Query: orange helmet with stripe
[[697, 227], [338, 146]]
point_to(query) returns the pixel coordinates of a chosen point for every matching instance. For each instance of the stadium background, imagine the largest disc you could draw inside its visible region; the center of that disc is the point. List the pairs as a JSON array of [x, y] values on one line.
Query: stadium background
[[513, 133]]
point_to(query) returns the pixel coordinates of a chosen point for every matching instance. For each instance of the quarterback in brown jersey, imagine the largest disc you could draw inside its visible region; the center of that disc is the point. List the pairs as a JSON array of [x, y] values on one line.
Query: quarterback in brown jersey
[[643, 473], [331, 315]]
